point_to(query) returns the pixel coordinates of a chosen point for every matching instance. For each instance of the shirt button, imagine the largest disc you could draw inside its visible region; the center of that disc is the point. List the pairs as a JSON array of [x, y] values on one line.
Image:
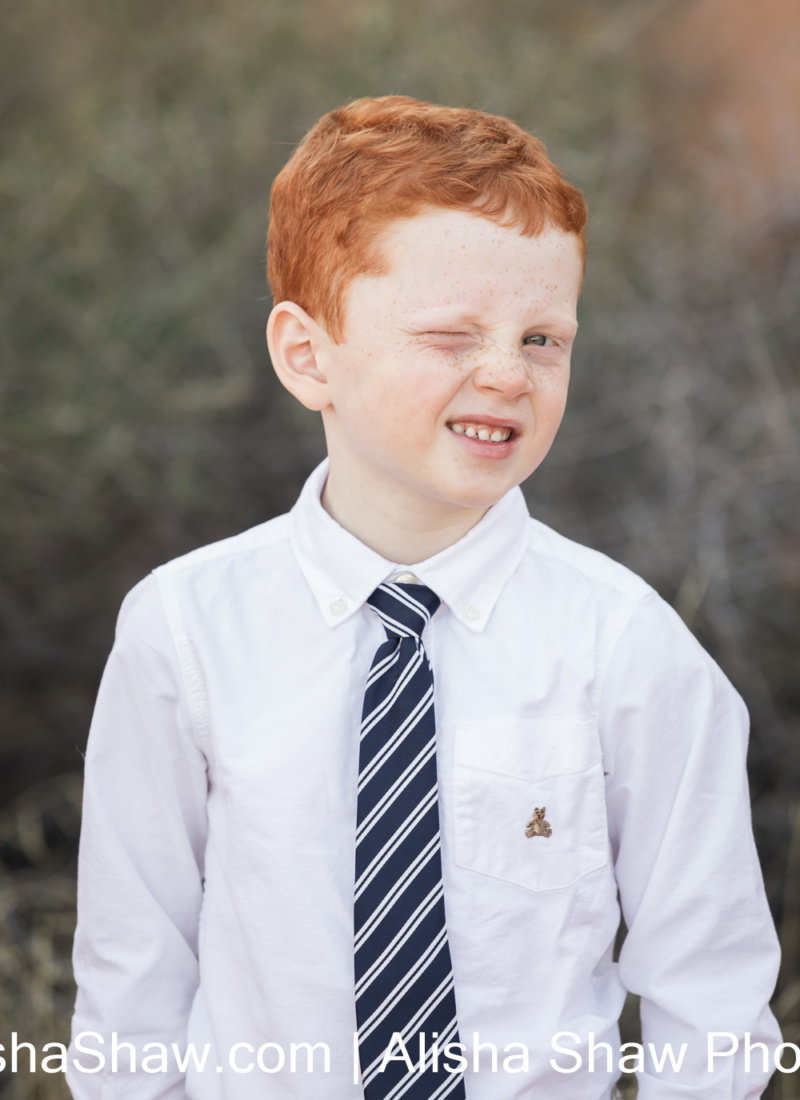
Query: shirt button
[[471, 612], [406, 578], [337, 608]]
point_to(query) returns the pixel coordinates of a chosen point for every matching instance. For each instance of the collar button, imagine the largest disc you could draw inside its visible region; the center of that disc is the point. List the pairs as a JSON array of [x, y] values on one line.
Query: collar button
[[471, 612], [337, 608]]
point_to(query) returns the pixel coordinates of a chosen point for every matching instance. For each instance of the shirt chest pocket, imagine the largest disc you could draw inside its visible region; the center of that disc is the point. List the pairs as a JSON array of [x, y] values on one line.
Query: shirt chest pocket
[[504, 770]]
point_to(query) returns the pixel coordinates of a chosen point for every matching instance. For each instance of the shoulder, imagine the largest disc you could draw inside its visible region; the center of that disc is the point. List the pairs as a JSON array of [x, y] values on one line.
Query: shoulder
[[229, 571], [585, 598], [643, 646], [257, 543], [647, 660], [590, 604], [231, 568], [580, 565]]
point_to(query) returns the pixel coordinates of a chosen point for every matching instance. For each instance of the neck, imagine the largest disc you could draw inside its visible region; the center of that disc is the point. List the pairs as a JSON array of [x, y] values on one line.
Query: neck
[[394, 522]]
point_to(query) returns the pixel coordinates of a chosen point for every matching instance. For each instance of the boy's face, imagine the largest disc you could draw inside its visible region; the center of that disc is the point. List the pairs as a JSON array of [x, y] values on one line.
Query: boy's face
[[452, 378]]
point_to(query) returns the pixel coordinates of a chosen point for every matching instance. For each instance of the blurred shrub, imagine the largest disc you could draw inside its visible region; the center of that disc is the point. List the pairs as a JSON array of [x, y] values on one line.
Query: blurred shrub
[[139, 417], [38, 835]]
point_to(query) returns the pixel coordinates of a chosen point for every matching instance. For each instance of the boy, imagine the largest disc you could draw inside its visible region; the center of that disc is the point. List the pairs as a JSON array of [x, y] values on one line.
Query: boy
[[427, 908]]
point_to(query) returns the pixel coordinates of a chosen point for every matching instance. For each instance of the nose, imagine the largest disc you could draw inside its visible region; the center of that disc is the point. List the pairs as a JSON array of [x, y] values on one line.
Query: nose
[[503, 372]]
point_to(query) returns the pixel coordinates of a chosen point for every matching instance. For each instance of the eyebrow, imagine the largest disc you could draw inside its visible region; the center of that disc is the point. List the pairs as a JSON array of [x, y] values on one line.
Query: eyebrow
[[439, 318], [442, 315]]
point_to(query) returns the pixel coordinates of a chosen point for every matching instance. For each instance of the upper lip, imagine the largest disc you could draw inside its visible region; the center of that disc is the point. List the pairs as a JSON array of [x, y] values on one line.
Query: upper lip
[[489, 421]]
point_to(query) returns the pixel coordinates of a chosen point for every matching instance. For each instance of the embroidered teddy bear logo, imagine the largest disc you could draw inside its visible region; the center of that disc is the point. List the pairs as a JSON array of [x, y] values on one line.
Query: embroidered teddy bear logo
[[537, 826]]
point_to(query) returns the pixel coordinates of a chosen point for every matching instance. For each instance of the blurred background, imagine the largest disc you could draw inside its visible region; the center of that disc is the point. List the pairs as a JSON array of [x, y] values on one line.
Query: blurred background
[[139, 417]]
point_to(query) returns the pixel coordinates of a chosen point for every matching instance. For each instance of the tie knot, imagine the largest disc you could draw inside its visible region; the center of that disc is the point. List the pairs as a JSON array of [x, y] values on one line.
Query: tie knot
[[404, 609]]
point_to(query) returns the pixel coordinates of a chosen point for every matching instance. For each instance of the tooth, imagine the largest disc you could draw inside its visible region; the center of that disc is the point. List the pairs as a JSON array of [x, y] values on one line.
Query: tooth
[[497, 436], [471, 432], [483, 433], [457, 428]]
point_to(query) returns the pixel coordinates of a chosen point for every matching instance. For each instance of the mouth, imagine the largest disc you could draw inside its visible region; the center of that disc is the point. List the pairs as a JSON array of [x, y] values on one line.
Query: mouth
[[480, 429]]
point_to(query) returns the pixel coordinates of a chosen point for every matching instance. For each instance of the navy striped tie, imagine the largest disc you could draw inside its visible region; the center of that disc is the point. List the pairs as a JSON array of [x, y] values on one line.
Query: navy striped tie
[[404, 978]]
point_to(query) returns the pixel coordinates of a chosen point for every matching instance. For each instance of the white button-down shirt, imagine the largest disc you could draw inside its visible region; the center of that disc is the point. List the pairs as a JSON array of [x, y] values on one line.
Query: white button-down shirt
[[217, 853]]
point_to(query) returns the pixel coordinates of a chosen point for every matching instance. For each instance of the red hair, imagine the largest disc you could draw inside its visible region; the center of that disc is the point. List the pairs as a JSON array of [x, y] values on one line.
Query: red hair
[[376, 160]]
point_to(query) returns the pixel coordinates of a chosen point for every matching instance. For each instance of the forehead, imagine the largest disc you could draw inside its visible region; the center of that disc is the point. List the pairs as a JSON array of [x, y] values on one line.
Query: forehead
[[458, 261]]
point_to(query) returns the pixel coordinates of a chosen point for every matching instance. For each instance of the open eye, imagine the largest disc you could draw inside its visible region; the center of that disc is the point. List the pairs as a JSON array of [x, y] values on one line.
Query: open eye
[[537, 339]]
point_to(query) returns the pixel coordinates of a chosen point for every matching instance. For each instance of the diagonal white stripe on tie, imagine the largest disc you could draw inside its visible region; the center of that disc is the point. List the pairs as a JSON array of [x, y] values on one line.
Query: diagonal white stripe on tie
[[403, 972]]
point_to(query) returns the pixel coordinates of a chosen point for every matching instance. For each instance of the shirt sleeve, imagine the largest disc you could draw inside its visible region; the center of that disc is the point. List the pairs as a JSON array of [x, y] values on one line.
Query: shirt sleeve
[[701, 949], [140, 867]]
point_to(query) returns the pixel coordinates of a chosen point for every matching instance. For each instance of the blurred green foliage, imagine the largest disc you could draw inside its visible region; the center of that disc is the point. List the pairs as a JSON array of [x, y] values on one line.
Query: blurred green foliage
[[139, 416]]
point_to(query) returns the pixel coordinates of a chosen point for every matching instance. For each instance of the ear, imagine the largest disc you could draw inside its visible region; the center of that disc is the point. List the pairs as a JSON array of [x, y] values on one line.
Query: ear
[[294, 339]]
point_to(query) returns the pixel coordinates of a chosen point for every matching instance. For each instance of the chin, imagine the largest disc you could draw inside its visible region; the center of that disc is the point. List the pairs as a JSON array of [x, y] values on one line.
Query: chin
[[482, 498]]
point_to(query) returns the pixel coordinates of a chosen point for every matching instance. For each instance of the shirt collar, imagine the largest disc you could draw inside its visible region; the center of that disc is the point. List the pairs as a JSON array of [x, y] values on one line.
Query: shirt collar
[[468, 576]]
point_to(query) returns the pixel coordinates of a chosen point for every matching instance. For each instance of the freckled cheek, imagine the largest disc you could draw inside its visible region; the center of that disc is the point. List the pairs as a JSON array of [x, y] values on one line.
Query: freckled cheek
[[551, 381], [549, 397], [550, 415]]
